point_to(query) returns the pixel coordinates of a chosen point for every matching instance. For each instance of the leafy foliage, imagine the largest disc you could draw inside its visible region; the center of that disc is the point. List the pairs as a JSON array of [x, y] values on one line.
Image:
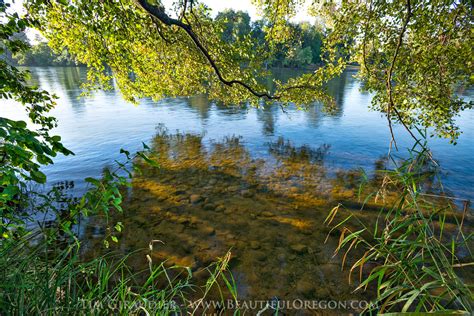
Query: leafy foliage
[[304, 48], [22, 150], [149, 57], [300, 56], [413, 54], [236, 24]]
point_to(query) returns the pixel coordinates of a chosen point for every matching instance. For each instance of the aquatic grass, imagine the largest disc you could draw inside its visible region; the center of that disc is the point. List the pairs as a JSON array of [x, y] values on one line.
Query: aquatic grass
[[412, 259], [40, 276]]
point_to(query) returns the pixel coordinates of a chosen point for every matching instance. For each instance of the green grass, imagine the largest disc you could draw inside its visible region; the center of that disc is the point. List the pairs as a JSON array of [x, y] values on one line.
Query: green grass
[[409, 255], [40, 276]]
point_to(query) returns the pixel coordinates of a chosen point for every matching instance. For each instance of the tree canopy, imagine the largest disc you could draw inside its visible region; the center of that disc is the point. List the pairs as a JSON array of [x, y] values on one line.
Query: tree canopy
[[413, 54]]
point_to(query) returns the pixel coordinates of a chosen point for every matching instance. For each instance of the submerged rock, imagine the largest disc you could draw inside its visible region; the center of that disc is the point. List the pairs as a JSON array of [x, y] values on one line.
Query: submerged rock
[[281, 257], [209, 207], [233, 188], [305, 288], [207, 230], [259, 255], [195, 198], [299, 248], [230, 236], [254, 244], [183, 220], [220, 208], [193, 222], [294, 189], [323, 292], [246, 193]]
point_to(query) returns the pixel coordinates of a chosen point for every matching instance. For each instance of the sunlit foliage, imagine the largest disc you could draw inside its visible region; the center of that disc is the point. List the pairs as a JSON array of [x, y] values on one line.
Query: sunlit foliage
[[412, 54], [22, 149]]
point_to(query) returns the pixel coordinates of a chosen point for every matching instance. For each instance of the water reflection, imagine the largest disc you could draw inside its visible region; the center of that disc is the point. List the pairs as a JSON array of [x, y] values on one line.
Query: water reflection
[[201, 104], [268, 117], [66, 80], [205, 200], [264, 194], [96, 127], [336, 88]]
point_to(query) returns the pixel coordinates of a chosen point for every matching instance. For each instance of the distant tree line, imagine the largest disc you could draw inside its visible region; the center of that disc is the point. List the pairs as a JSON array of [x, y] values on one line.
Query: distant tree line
[[304, 49], [40, 54]]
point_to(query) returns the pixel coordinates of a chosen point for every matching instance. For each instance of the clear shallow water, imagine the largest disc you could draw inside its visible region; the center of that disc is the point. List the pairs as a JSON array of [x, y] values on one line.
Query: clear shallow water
[[257, 181], [96, 127]]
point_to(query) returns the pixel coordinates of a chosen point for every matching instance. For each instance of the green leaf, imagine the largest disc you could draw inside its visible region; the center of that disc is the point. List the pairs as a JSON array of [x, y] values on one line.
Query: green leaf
[[38, 176]]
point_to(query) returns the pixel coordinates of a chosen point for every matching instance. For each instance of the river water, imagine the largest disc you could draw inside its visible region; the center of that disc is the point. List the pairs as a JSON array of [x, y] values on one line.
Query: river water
[[96, 127], [257, 181]]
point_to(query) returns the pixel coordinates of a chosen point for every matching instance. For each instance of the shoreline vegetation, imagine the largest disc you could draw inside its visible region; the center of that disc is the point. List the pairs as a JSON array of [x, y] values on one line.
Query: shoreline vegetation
[[401, 251]]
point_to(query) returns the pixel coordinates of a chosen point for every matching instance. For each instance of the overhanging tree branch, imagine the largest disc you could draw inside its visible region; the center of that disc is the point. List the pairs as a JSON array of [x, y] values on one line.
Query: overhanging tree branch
[[391, 104], [159, 13]]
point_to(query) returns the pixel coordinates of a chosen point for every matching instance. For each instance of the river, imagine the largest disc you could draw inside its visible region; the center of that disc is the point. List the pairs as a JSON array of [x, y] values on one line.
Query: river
[[257, 181]]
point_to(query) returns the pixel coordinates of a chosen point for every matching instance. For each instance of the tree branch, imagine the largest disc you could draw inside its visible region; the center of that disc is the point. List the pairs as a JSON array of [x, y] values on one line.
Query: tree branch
[[391, 104], [159, 13], [364, 42]]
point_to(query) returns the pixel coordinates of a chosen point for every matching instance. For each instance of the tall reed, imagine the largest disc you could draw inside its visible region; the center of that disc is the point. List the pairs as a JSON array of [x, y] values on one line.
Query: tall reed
[[414, 262], [40, 276]]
